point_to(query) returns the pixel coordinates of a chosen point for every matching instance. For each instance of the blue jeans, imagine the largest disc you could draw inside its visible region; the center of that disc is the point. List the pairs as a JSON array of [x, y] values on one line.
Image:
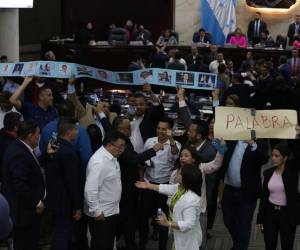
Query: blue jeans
[[237, 214]]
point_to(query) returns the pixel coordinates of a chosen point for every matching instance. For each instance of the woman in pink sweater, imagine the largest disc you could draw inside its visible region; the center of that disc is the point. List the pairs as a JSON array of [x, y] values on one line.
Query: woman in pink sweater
[[238, 39]]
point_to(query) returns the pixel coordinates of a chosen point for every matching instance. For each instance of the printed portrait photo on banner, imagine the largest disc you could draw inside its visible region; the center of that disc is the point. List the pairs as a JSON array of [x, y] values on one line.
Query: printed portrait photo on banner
[[46, 68], [30, 68], [124, 77], [104, 75], [146, 76], [18, 69], [184, 78], [206, 81], [64, 69], [6, 68], [164, 77], [84, 71]]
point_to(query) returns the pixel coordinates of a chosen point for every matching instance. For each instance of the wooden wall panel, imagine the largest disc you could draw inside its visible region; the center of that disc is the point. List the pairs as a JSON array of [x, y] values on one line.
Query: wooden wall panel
[[156, 15]]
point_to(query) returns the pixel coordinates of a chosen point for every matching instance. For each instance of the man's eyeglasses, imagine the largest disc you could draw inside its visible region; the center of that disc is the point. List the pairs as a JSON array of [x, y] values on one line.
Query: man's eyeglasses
[[122, 147]]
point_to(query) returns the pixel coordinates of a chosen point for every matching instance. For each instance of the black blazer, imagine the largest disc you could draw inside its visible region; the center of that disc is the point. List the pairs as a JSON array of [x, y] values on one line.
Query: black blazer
[[64, 188], [129, 161], [250, 168], [5, 140], [290, 182], [250, 33], [23, 183], [149, 123], [291, 32]]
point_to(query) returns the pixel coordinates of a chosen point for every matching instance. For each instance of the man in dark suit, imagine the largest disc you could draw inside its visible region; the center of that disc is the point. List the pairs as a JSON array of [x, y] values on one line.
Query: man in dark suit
[[63, 177], [242, 178], [24, 186], [5, 220], [129, 163], [294, 63], [294, 30], [145, 119], [255, 28], [201, 37], [8, 133], [191, 58], [142, 35]]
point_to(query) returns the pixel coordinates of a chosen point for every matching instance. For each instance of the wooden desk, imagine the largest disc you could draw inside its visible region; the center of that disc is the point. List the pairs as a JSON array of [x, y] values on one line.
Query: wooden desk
[[118, 57]]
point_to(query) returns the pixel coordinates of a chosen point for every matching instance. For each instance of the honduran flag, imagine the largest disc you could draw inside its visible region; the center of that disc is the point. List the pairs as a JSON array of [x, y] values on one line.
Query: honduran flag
[[219, 18]]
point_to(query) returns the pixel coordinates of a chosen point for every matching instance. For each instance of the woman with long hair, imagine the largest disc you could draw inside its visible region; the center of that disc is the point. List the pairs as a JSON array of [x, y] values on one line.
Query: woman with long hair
[[279, 202], [187, 197]]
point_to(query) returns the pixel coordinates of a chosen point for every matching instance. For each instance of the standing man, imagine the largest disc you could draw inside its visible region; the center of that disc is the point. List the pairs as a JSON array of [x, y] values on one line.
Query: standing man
[[242, 167], [294, 30], [24, 186], [129, 164], [103, 191], [64, 185], [8, 134], [255, 28], [294, 63], [43, 112], [214, 65], [158, 171], [145, 119]]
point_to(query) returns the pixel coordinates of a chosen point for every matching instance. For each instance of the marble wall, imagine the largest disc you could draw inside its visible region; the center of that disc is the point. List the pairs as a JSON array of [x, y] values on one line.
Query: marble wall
[[187, 18]]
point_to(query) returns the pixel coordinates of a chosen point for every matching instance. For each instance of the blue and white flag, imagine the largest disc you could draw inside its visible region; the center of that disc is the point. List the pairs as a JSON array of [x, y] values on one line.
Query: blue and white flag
[[219, 18]]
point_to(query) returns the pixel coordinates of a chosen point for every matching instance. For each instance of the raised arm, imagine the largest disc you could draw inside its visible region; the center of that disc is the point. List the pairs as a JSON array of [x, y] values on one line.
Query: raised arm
[[184, 112], [15, 98], [210, 167], [80, 110]]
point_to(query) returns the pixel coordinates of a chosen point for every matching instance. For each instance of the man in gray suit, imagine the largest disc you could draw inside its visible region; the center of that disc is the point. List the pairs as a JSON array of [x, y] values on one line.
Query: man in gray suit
[[197, 132]]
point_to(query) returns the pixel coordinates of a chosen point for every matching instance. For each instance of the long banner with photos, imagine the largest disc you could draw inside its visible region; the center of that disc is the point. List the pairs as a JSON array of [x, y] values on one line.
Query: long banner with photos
[[156, 76]]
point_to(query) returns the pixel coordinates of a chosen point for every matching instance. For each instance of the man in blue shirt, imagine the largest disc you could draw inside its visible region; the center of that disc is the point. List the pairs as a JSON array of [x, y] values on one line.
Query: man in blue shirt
[[43, 112], [82, 142]]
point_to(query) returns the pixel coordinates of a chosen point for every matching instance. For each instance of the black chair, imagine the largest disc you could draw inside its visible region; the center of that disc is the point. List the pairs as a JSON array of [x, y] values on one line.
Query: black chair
[[281, 40], [175, 34], [231, 34], [118, 36]]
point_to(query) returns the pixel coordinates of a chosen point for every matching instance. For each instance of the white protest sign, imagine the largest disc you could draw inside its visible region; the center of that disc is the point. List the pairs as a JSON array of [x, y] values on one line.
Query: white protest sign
[[245, 124]]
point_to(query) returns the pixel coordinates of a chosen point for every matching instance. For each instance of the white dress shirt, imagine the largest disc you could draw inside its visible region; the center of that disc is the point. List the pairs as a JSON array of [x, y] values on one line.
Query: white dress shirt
[[159, 167], [136, 137], [99, 124], [214, 65], [233, 173], [102, 192]]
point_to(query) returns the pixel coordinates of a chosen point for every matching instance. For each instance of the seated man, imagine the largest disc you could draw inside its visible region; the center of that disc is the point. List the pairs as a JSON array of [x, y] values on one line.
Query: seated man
[[201, 37], [266, 40], [142, 35]]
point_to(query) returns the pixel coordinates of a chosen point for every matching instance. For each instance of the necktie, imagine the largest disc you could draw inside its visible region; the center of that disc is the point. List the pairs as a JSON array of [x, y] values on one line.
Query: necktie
[[294, 68], [257, 28]]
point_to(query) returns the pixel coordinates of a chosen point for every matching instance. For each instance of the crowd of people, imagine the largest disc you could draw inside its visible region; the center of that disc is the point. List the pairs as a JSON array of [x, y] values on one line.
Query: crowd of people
[[114, 176], [257, 35]]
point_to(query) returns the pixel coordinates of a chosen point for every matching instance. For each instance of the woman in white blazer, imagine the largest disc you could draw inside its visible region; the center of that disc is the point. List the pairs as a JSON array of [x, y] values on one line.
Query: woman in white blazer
[[184, 207]]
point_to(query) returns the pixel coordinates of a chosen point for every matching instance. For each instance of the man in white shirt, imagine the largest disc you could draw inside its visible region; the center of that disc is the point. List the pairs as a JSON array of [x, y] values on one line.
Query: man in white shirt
[[102, 192], [158, 171], [214, 65]]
